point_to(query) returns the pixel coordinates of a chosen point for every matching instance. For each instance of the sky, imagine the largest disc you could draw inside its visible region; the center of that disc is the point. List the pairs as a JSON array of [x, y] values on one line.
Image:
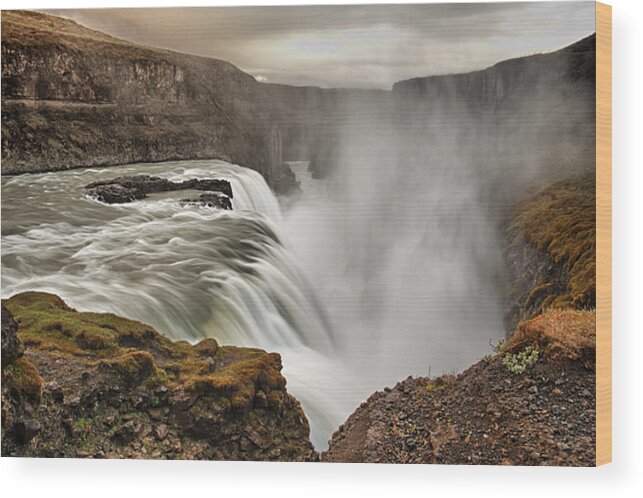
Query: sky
[[362, 46]]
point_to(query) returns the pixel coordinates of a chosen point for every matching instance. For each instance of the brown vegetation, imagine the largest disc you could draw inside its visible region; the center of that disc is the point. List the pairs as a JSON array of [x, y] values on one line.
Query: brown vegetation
[[561, 221], [551, 251], [128, 391]]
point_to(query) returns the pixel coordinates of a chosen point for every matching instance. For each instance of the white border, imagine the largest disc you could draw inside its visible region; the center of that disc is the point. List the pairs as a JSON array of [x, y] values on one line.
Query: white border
[[113, 479]]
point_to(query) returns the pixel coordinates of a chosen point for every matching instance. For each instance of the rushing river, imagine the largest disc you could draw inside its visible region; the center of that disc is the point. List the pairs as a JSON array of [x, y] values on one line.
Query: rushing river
[[289, 281]]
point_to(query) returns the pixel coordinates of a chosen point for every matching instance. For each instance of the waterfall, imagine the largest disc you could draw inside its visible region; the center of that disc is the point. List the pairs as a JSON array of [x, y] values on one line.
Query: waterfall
[[362, 281], [191, 272]]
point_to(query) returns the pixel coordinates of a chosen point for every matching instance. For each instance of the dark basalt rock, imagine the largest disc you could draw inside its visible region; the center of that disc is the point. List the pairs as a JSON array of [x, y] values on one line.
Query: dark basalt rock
[[216, 200], [125, 189], [115, 194]]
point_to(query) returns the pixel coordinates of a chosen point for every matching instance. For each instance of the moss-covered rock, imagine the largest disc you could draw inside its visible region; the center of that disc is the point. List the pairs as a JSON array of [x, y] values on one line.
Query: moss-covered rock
[[112, 387], [11, 346], [551, 251]]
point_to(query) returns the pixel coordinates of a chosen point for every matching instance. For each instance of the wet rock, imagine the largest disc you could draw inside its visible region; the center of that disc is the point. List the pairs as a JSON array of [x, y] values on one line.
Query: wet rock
[[125, 189], [212, 364], [114, 194], [55, 391], [160, 431], [188, 416], [261, 400], [180, 400], [210, 200], [157, 413]]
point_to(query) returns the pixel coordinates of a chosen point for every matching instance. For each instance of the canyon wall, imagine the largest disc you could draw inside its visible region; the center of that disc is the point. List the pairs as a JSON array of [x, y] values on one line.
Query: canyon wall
[[74, 97], [528, 113]]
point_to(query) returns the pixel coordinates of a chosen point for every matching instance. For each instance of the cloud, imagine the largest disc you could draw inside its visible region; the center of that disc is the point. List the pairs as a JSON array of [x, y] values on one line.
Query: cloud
[[352, 45]]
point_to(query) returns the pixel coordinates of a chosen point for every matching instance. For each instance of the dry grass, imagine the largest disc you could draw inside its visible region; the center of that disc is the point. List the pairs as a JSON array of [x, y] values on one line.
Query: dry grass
[[561, 220], [559, 334], [36, 29]]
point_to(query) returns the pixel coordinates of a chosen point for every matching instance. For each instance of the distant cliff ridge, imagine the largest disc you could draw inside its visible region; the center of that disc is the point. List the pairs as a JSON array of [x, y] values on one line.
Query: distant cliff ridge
[[74, 97], [575, 64]]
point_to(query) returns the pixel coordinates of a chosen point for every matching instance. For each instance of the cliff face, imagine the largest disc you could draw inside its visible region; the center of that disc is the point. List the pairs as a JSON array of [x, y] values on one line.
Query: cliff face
[[518, 116], [550, 251], [96, 385], [572, 65], [74, 97]]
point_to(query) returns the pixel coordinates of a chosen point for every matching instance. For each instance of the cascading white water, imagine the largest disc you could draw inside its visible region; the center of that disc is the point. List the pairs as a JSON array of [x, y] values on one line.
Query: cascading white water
[[191, 272], [350, 287]]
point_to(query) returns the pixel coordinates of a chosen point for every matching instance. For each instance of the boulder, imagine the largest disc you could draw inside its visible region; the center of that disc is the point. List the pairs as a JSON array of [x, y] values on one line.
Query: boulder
[[125, 189]]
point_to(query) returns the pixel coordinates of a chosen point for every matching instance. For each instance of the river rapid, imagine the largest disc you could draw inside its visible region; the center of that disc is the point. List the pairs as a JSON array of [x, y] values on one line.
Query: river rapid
[[289, 276]]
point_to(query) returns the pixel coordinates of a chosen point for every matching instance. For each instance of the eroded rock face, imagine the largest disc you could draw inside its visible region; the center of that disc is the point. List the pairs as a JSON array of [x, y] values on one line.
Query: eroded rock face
[[21, 389], [125, 189], [73, 97], [115, 388]]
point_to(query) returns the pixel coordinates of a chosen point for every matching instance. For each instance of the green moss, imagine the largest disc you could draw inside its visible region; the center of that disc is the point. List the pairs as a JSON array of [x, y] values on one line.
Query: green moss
[[561, 221], [25, 377], [239, 380], [207, 347], [83, 424], [46, 322], [135, 366], [38, 301], [139, 354]]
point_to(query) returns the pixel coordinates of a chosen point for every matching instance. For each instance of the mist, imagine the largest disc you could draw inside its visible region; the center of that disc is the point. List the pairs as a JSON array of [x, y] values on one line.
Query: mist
[[402, 231]]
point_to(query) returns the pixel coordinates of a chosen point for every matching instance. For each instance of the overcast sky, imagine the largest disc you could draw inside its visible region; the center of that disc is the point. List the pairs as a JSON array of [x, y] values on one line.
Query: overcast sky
[[352, 46]]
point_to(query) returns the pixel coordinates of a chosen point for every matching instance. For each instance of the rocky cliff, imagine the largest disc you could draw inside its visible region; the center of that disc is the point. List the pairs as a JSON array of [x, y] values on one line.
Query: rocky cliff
[[75, 97], [520, 77], [530, 403], [529, 118], [96, 385], [550, 250]]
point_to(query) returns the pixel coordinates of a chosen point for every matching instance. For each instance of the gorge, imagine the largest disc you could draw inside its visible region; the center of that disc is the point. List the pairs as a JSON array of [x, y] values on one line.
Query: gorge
[[367, 237]]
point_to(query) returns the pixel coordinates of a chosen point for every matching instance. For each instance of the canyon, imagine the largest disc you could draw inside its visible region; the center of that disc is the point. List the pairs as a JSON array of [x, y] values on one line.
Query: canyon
[[467, 197]]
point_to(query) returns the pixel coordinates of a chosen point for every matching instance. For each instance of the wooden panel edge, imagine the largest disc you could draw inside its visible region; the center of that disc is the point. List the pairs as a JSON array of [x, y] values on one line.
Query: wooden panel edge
[[603, 233]]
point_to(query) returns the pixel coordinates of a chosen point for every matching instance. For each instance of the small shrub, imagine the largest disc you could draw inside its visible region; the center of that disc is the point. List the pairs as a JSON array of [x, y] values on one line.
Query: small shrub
[[519, 362], [498, 348]]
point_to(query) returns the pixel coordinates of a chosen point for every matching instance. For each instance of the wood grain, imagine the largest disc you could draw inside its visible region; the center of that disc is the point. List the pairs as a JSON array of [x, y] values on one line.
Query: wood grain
[[603, 233]]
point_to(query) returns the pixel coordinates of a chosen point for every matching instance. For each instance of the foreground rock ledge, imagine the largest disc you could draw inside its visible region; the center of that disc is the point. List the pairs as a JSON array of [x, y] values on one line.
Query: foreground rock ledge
[[493, 413], [97, 385]]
